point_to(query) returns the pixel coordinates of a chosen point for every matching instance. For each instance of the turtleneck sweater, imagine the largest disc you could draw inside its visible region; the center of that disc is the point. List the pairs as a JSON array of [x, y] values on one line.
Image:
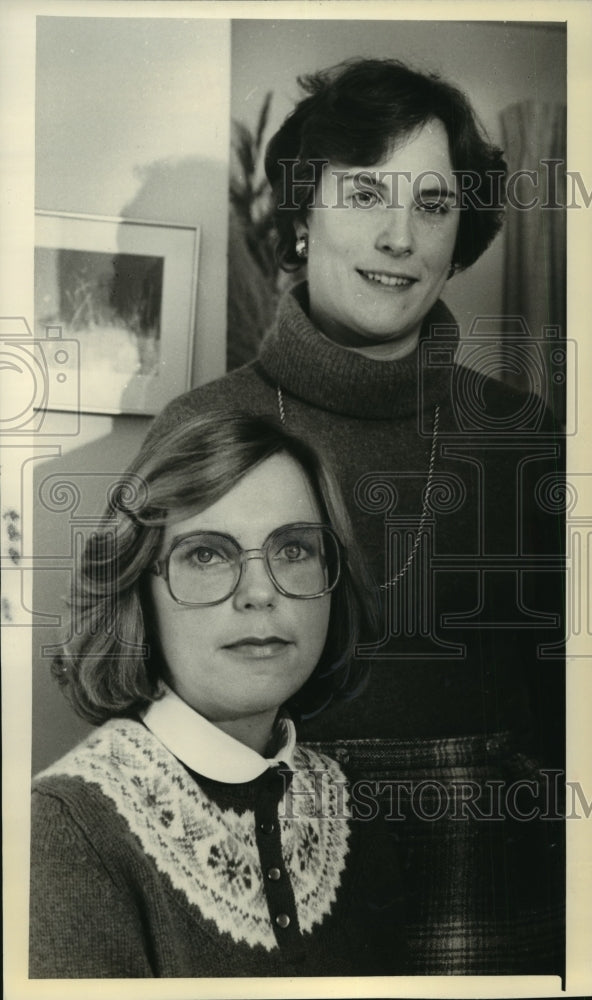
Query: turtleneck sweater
[[312, 368], [470, 637]]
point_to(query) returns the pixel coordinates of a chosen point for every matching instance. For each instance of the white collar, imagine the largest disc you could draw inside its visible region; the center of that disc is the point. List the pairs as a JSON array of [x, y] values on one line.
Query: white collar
[[209, 751]]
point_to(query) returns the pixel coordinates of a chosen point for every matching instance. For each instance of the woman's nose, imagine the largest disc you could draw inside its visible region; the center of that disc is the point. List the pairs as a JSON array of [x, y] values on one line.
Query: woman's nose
[[255, 589], [395, 235]]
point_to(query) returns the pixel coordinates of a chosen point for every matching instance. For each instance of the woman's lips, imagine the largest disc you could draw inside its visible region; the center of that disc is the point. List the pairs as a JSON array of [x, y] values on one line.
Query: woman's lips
[[387, 280], [255, 648]]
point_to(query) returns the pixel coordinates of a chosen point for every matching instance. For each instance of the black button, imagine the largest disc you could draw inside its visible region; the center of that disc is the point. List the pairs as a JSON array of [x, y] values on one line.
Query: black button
[[282, 920], [267, 827], [274, 874]]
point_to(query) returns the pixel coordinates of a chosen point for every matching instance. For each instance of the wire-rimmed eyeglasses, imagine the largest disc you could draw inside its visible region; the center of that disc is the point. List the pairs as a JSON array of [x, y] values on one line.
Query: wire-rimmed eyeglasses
[[201, 568]]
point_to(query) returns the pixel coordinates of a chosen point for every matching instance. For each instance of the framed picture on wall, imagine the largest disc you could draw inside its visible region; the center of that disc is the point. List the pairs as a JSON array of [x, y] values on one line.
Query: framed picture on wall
[[114, 310]]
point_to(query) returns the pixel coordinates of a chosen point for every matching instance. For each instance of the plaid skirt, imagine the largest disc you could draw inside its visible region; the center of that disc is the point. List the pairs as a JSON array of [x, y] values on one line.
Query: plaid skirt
[[480, 840]]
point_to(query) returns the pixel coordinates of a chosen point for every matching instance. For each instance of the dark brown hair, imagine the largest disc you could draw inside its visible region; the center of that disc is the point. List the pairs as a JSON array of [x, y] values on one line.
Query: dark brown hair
[[354, 114]]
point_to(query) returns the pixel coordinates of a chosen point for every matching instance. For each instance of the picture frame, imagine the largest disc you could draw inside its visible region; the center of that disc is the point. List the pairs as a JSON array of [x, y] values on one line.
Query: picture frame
[[115, 302]]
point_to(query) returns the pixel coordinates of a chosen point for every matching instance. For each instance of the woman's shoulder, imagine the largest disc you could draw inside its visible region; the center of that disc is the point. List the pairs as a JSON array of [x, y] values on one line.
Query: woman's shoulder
[[119, 791], [77, 802], [119, 744], [244, 388], [484, 403], [321, 778], [309, 759], [118, 768]]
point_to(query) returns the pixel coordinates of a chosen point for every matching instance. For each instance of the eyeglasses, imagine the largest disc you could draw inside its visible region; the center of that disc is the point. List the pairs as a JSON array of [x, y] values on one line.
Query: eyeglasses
[[205, 567]]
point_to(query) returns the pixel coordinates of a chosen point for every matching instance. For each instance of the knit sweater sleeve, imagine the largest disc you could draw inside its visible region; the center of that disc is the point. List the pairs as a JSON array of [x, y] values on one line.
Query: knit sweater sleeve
[[92, 930]]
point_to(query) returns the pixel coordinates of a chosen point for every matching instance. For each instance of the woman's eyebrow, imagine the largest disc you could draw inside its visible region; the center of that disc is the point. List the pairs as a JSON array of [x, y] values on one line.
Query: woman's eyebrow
[[366, 175], [185, 535], [441, 191]]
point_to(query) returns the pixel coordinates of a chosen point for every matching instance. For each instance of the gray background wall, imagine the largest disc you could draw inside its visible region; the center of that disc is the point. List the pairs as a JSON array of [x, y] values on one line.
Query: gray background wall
[[133, 119]]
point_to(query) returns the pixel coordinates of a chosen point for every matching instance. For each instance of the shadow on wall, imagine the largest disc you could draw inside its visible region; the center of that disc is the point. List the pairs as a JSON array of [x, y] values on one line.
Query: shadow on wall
[[173, 190], [180, 191], [71, 491]]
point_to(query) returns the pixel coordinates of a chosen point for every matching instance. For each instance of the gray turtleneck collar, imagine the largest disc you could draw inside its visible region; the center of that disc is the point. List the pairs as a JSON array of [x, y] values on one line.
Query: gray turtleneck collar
[[313, 368]]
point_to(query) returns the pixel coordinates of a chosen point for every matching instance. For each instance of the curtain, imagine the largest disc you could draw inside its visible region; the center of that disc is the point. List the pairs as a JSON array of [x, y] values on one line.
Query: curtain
[[535, 263]]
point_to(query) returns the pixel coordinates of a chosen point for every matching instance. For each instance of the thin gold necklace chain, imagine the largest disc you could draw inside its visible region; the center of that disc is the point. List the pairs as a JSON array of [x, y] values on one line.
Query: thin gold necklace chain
[[426, 496]]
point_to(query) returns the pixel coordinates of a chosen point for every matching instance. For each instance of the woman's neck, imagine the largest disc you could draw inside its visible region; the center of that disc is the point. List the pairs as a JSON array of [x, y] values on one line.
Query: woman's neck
[[255, 731], [377, 350], [390, 350]]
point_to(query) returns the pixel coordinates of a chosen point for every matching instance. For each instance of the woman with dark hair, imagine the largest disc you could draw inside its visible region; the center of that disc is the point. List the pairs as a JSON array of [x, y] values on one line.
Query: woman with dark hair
[[358, 114], [190, 835], [384, 186]]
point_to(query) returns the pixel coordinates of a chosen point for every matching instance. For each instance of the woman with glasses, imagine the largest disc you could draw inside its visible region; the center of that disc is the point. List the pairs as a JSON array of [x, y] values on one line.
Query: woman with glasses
[[190, 835]]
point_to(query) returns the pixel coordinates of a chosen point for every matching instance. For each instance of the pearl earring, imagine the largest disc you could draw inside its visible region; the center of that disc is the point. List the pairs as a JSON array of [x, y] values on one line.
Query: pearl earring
[[301, 247]]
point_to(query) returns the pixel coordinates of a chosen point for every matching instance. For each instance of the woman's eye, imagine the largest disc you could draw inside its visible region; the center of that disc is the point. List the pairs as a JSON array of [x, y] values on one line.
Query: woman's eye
[[433, 207], [365, 199], [203, 556], [293, 552]]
